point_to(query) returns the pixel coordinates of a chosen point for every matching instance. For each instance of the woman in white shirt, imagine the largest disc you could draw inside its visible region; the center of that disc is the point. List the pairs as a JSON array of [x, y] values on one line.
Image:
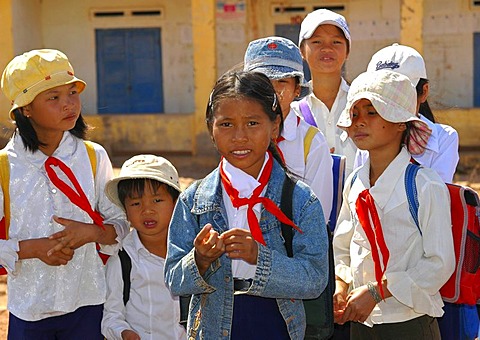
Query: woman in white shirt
[[388, 271]]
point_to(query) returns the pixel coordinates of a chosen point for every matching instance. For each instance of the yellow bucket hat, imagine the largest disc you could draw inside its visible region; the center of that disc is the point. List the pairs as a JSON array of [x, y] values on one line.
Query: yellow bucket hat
[[36, 71]]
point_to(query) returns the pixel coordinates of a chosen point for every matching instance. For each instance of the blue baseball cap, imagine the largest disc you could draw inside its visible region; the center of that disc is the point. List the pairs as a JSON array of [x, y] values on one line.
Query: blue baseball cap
[[276, 57]]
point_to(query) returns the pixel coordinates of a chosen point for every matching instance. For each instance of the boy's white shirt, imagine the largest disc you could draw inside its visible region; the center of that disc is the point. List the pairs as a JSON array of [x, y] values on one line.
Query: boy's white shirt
[[237, 218], [441, 153], [36, 290], [418, 265], [317, 172], [327, 123], [152, 312]]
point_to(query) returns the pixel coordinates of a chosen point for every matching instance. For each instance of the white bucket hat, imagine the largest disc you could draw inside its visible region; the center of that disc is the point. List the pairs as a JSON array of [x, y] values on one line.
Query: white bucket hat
[[402, 59], [394, 98], [147, 167]]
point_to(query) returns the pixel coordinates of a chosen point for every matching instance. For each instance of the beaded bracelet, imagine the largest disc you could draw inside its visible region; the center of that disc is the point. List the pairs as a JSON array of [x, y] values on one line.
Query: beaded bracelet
[[373, 292]]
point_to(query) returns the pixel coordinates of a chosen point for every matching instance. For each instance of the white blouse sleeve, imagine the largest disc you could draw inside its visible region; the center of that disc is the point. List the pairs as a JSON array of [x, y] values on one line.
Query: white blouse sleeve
[[111, 213]]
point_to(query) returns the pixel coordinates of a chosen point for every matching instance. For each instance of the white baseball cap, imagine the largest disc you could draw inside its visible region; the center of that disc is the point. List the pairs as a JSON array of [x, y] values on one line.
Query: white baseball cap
[[402, 59], [322, 17], [394, 98]]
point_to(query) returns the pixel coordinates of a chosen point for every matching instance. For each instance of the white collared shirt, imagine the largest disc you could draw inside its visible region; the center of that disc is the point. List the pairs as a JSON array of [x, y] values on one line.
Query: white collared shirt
[[441, 153], [419, 265], [36, 290], [237, 218], [151, 311], [442, 150], [327, 123], [317, 171]]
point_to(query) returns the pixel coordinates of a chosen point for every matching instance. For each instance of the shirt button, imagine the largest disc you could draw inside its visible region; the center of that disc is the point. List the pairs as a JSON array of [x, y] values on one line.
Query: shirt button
[[54, 191]]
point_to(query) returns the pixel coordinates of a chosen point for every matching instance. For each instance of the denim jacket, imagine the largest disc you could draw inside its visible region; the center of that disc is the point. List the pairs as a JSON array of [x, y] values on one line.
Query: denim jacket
[[277, 276]]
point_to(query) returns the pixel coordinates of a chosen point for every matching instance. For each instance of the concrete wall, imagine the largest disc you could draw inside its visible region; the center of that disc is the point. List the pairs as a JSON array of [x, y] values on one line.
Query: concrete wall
[[76, 18], [446, 33]]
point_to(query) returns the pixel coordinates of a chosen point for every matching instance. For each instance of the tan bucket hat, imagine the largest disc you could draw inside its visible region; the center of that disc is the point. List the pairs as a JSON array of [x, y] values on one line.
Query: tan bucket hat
[[147, 167]]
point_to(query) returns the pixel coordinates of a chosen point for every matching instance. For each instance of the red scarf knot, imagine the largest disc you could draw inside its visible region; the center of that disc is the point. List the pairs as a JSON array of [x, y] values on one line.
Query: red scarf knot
[[254, 199], [367, 213]]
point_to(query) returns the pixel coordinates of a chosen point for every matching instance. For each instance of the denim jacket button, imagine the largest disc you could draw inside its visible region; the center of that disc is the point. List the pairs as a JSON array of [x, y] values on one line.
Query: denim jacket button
[[227, 279], [225, 332]]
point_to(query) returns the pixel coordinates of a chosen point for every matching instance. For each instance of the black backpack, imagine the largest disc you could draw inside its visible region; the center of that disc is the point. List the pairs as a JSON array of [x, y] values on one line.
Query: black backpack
[[319, 311]]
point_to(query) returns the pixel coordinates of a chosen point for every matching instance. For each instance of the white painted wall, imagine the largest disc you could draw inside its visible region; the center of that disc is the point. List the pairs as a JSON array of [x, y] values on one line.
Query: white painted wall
[[70, 27], [26, 31], [448, 29]]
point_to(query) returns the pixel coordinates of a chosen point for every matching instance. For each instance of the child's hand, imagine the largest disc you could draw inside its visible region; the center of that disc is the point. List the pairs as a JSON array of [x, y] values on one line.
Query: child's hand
[[360, 304], [208, 247], [339, 301], [128, 334], [75, 234], [239, 244], [38, 248]]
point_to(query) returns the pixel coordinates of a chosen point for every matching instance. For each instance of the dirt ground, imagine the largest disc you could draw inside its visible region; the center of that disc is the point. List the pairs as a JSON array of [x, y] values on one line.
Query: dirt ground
[[184, 182]]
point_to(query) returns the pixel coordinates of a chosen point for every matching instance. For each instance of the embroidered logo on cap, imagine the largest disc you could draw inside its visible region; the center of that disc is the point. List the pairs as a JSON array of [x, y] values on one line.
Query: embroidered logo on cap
[[272, 46], [387, 64]]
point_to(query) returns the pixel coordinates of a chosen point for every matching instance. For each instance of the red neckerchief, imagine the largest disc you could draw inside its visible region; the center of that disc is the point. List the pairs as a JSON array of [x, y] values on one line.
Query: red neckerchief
[[365, 207], [77, 197], [237, 202]]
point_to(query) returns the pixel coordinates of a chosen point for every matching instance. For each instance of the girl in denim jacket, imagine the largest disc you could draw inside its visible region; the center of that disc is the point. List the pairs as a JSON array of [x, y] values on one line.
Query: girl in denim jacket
[[225, 245]]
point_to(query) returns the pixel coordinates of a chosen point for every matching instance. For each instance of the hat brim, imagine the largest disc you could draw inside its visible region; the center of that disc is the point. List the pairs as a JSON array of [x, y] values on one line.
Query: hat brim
[[309, 33], [383, 107]]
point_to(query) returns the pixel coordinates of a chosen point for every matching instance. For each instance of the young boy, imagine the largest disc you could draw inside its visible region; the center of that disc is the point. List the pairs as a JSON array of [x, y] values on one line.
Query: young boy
[[146, 189], [325, 43], [388, 271], [303, 147]]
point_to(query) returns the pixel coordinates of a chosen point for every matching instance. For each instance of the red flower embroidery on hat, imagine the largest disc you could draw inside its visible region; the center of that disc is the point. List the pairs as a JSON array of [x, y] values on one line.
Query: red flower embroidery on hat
[[70, 73], [48, 77], [272, 46]]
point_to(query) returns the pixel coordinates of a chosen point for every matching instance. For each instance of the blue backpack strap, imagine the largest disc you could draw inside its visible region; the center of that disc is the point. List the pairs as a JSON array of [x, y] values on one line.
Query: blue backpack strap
[[306, 112], [412, 195], [354, 177], [338, 169]]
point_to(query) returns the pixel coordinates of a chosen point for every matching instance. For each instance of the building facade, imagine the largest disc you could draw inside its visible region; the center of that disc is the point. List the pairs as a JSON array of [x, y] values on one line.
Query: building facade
[[150, 64]]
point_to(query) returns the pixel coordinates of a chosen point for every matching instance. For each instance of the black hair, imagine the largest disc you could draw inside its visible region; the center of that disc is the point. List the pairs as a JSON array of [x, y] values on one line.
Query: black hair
[[136, 186], [29, 135], [424, 108], [252, 86]]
